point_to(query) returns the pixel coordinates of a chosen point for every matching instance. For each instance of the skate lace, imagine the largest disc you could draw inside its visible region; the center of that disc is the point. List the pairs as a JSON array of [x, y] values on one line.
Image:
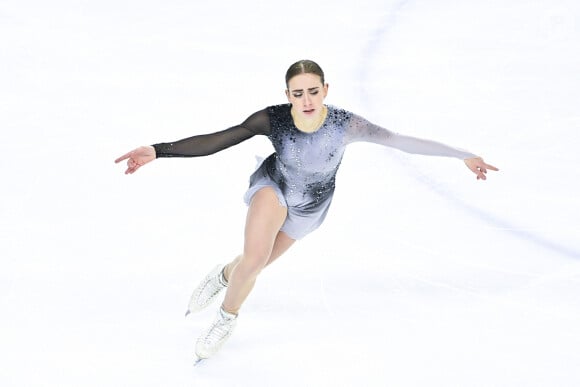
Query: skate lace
[[212, 286], [219, 330]]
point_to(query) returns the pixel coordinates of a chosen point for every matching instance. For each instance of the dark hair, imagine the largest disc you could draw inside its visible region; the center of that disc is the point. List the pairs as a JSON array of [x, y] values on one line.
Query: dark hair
[[304, 66]]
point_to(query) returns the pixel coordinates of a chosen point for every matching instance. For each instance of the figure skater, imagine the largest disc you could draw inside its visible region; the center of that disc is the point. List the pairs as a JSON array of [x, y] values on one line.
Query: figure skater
[[290, 192]]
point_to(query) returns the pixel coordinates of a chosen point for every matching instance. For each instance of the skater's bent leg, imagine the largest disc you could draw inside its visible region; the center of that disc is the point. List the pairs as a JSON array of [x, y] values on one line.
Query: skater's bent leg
[[265, 217], [281, 245]]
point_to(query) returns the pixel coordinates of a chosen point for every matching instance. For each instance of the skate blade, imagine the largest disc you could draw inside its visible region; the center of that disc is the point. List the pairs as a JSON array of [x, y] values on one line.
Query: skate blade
[[197, 361]]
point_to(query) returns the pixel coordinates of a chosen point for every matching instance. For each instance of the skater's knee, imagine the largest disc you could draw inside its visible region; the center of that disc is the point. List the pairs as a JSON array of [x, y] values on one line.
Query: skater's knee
[[250, 266]]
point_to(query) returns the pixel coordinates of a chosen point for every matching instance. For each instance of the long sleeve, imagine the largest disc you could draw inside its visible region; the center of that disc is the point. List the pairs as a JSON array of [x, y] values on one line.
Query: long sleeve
[[359, 129], [207, 144]]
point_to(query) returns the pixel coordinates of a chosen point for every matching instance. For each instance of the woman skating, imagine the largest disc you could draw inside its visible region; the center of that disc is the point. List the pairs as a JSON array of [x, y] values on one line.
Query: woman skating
[[291, 191]]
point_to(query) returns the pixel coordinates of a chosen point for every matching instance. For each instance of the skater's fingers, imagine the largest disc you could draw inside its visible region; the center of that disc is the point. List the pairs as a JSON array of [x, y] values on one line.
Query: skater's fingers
[[132, 168], [124, 157]]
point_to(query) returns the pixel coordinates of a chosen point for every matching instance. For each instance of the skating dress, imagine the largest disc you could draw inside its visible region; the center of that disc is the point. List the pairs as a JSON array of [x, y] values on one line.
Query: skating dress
[[302, 170]]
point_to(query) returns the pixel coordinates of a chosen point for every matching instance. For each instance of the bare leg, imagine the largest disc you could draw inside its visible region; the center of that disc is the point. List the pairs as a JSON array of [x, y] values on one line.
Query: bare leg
[[281, 245], [265, 217]]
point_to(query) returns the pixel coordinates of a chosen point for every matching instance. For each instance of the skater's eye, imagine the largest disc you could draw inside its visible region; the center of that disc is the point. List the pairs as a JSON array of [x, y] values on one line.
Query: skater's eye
[[300, 92]]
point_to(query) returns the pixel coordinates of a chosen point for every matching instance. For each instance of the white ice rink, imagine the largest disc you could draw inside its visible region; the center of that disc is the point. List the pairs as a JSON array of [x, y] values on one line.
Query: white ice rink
[[421, 276]]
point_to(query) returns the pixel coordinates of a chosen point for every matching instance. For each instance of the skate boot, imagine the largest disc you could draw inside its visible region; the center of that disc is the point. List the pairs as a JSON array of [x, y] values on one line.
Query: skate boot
[[219, 331], [207, 290]]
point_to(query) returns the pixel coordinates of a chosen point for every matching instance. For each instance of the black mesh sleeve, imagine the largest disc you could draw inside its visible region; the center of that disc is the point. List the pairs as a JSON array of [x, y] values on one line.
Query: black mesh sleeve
[[207, 144]]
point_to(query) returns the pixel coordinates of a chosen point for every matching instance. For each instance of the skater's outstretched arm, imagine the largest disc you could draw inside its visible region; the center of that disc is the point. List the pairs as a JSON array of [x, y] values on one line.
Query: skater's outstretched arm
[[360, 129], [199, 145]]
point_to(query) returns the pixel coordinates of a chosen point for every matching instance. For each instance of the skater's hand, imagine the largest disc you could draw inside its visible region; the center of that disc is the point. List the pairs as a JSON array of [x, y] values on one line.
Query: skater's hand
[[479, 167], [137, 158]]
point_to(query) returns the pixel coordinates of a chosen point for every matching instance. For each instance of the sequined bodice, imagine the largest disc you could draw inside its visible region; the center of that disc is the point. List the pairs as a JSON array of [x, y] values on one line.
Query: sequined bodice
[[305, 164]]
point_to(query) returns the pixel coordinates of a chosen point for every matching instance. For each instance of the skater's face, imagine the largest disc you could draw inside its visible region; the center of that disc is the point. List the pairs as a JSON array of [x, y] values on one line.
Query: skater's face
[[306, 93]]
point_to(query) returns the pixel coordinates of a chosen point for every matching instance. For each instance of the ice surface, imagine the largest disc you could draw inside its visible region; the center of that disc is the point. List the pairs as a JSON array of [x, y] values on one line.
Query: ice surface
[[421, 276]]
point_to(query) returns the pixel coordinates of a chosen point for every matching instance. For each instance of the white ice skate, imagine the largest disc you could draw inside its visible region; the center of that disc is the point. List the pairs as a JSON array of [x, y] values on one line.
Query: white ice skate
[[207, 290], [212, 339]]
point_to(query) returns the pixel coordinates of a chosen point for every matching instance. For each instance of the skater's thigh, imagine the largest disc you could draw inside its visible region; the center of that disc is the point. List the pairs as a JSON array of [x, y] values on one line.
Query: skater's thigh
[[263, 222]]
